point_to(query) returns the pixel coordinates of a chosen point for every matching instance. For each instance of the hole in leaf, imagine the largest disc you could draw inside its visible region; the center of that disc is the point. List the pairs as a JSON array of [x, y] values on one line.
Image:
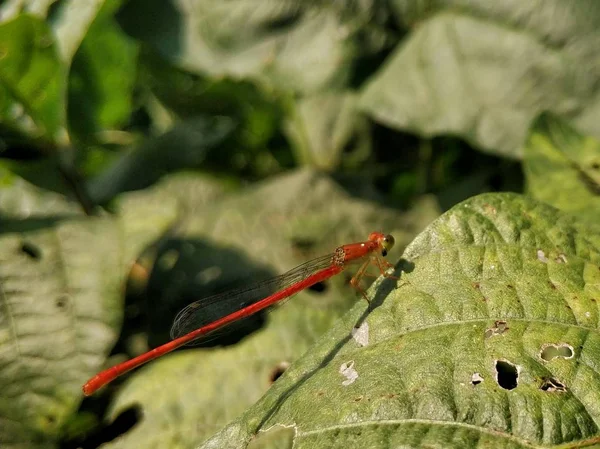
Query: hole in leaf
[[319, 287], [360, 334], [476, 379], [489, 209], [351, 144], [51, 419], [499, 327], [553, 385], [347, 370], [62, 301], [552, 351], [561, 258], [279, 370], [507, 374], [31, 250]]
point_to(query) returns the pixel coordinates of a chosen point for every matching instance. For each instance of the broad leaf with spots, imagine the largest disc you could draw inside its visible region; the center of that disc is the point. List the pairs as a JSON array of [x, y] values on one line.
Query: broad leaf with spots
[[488, 339]]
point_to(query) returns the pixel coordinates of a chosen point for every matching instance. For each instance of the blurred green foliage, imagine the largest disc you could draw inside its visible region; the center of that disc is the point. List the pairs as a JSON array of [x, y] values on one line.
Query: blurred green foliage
[[247, 137]]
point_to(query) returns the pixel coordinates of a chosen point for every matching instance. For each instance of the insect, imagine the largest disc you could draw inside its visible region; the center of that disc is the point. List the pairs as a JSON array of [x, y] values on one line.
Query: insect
[[209, 314]]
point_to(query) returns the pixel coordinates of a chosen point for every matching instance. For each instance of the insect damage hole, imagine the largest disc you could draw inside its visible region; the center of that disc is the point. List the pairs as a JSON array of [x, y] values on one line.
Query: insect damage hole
[[499, 328], [553, 385], [360, 334], [62, 301], [319, 287], [476, 379], [507, 374], [552, 351], [542, 256], [279, 435], [561, 258], [33, 251], [347, 370]]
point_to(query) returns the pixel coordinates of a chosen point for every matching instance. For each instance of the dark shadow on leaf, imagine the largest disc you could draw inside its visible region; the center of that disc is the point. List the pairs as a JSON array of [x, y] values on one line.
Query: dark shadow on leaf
[[126, 420], [185, 270]]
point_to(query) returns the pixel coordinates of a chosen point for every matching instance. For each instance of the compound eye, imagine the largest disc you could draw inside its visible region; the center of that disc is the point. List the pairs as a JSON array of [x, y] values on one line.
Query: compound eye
[[387, 243]]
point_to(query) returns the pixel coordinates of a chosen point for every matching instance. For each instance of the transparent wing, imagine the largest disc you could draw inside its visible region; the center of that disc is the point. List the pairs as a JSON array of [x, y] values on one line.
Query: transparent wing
[[209, 309]]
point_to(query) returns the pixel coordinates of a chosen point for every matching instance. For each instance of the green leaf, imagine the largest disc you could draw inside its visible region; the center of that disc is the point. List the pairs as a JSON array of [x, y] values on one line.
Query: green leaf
[[485, 71], [285, 45], [458, 346], [185, 146], [61, 301], [60, 305], [179, 95], [185, 397], [322, 128], [32, 80], [563, 167], [101, 80], [70, 18]]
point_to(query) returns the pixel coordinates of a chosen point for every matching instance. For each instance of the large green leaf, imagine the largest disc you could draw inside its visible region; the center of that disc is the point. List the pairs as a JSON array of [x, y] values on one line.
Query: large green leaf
[[32, 80], [485, 70], [37, 45], [183, 95], [304, 47], [186, 397], [563, 167], [286, 47], [60, 303], [328, 130], [101, 80], [488, 339]]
